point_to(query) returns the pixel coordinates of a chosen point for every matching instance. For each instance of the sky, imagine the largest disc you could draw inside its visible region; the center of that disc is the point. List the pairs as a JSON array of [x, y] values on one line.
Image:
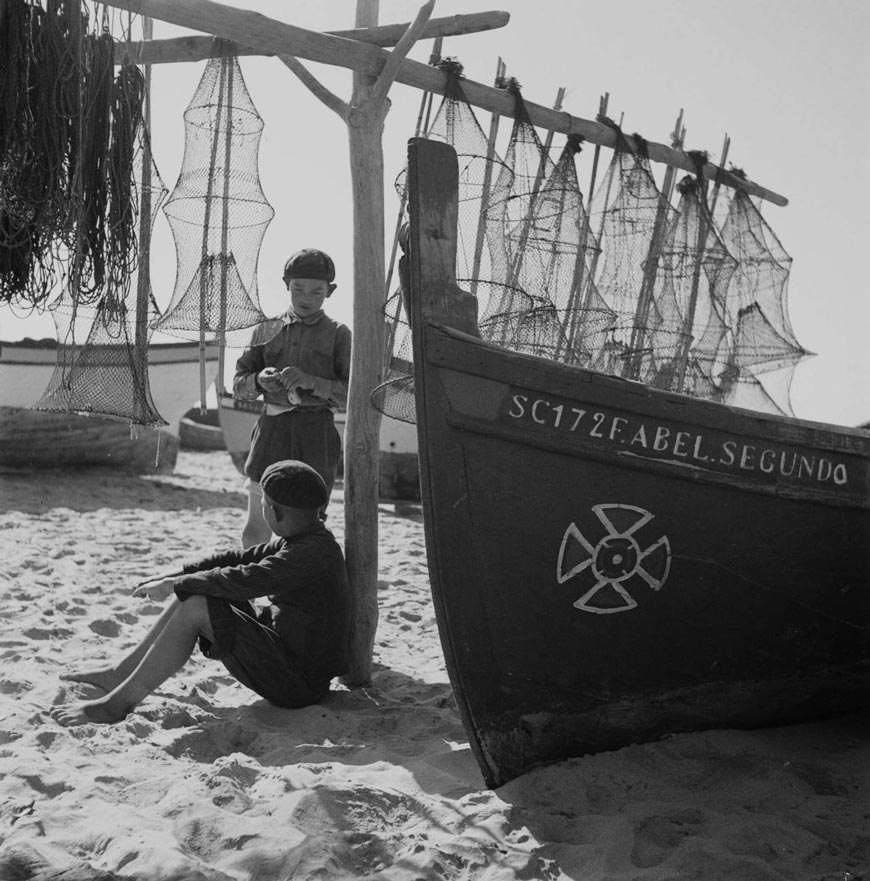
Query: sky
[[787, 80]]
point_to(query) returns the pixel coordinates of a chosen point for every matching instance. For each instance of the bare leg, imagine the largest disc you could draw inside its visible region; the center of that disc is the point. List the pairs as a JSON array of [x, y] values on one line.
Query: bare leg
[[256, 531], [108, 678], [165, 656]]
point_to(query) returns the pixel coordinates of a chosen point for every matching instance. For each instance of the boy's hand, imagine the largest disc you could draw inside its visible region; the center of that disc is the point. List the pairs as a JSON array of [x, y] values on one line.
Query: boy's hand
[[269, 379], [293, 378], [156, 588]]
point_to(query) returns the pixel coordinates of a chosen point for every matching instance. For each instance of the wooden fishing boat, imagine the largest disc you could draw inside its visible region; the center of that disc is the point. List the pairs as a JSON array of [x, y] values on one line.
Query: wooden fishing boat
[[399, 476], [41, 439], [201, 431], [609, 562]]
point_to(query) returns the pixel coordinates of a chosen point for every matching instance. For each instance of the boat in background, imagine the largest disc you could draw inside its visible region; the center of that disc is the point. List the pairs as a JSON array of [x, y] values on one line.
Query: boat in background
[[612, 562], [198, 430], [45, 439], [399, 468]]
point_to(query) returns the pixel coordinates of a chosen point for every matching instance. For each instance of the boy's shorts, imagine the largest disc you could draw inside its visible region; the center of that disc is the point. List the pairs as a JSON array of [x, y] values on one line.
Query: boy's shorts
[[252, 651], [307, 434]]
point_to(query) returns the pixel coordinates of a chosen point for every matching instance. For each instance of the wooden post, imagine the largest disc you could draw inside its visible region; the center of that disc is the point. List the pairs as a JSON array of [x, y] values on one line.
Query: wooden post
[[364, 117], [365, 123]]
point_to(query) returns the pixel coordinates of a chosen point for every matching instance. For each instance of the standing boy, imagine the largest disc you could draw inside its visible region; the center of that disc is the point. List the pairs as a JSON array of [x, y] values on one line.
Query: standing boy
[[286, 652], [302, 374]]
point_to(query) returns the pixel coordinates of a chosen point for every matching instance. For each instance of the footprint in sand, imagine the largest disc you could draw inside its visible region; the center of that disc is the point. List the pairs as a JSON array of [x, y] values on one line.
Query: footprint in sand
[[46, 633], [46, 738], [9, 686], [151, 609], [69, 609], [105, 627]]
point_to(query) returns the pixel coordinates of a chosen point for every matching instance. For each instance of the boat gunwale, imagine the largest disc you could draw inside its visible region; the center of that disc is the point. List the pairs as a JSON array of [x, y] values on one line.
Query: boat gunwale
[[739, 420]]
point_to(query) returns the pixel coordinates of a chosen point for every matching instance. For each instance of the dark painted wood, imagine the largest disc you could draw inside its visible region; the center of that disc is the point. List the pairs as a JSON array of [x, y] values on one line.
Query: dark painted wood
[[611, 563]]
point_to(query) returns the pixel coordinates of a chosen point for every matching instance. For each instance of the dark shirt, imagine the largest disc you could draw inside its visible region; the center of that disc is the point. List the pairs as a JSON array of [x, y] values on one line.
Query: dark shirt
[[318, 345], [304, 579]]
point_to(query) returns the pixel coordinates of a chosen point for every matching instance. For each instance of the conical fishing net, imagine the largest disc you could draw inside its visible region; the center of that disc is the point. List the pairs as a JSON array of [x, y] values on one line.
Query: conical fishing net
[[680, 336], [479, 166], [687, 297], [218, 212]]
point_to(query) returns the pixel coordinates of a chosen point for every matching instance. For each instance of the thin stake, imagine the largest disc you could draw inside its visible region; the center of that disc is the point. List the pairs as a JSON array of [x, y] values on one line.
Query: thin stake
[[726, 144], [539, 179], [205, 229], [650, 270], [582, 286], [500, 72], [225, 220]]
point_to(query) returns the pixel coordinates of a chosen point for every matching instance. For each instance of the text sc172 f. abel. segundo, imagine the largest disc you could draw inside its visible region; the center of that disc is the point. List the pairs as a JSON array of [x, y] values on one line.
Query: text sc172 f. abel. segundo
[[649, 438]]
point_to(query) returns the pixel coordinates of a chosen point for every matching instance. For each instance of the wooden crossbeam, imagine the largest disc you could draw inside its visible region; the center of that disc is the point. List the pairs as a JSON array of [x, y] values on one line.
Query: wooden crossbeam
[[274, 37], [195, 48]]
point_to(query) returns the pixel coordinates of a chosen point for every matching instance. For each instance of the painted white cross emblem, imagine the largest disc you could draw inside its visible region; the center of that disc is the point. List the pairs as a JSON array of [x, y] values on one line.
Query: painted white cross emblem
[[614, 560]]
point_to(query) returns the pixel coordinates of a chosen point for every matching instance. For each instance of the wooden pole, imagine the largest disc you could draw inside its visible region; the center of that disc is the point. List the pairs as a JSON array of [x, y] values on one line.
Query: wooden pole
[[723, 158], [500, 70], [191, 49], [206, 229], [143, 286], [578, 302], [362, 448], [541, 173], [651, 264], [229, 62], [704, 223], [364, 117]]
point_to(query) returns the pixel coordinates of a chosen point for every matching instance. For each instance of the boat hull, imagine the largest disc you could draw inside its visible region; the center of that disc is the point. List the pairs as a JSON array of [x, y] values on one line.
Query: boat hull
[[609, 591], [38, 439], [201, 431], [610, 563]]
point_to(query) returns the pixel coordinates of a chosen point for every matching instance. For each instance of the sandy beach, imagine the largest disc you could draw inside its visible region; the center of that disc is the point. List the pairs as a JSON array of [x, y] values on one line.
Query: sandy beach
[[206, 782]]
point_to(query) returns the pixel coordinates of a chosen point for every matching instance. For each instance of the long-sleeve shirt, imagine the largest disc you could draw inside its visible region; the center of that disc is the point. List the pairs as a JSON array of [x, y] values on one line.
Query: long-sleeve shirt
[[304, 579], [318, 345]]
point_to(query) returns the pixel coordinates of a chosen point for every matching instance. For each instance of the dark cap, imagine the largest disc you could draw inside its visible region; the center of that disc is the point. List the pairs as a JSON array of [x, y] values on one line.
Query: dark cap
[[310, 263], [294, 484]]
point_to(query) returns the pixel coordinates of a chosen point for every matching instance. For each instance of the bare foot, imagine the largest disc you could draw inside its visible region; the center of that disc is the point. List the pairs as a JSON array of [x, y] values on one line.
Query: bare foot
[[99, 711], [105, 679]]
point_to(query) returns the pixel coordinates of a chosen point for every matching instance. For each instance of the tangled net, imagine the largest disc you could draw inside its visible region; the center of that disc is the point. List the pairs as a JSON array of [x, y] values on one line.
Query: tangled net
[[67, 134]]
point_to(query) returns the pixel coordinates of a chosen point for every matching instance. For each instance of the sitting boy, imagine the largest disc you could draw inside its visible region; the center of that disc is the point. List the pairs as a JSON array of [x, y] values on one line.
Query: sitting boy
[[287, 652]]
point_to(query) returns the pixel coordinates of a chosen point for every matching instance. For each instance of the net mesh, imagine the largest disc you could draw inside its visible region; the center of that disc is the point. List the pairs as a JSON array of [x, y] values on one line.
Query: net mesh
[[102, 355], [682, 291], [67, 130], [218, 213]]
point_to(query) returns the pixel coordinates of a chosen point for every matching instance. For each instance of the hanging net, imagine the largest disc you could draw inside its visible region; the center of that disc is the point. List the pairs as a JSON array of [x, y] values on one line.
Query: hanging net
[[65, 216], [455, 124], [763, 349], [102, 356], [218, 213], [687, 297]]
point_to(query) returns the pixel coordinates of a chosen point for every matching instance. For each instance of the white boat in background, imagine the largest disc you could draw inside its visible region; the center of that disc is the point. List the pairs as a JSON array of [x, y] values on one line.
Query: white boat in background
[[43, 439], [399, 468], [201, 430]]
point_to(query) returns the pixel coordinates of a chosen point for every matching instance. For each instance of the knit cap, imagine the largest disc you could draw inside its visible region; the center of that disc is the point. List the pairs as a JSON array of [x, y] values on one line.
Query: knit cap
[[310, 263], [294, 484]]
